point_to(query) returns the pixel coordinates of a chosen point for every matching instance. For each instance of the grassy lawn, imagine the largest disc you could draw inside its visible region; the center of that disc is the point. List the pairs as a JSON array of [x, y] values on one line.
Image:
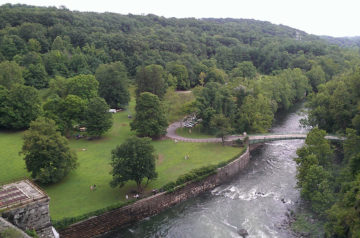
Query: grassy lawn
[[72, 196], [193, 133], [12, 166]]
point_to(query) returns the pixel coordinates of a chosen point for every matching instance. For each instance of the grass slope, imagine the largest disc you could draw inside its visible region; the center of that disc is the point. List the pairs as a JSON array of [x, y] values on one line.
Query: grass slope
[[72, 196]]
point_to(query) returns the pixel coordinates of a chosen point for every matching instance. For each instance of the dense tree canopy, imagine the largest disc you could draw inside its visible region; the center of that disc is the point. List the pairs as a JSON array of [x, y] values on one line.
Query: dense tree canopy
[[221, 125], [113, 85], [151, 79], [313, 178], [98, 119], [84, 86], [180, 72], [332, 185], [10, 74], [20, 105], [150, 118], [242, 73], [77, 43], [336, 105], [133, 160], [47, 154], [67, 112]]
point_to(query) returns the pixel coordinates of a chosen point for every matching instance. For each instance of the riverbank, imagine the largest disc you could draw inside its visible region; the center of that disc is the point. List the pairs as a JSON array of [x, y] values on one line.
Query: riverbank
[[256, 200], [72, 196], [153, 205]]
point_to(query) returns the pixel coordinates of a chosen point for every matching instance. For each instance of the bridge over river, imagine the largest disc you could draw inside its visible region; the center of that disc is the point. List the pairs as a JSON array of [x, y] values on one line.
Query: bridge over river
[[253, 139]]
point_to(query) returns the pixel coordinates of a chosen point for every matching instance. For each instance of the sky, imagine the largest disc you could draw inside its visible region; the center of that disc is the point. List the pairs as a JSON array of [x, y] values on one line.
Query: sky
[[319, 17]]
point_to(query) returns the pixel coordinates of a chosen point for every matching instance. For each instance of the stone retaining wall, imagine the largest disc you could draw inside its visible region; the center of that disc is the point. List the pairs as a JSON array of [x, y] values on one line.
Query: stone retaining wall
[[4, 225], [153, 205], [34, 215]]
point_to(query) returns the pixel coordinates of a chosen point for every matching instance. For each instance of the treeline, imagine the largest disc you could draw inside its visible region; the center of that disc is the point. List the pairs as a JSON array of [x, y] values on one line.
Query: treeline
[[70, 43], [329, 176], [249, 69]]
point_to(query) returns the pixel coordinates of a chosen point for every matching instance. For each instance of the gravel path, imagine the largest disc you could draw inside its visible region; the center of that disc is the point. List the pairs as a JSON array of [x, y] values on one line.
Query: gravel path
[[171, 133]]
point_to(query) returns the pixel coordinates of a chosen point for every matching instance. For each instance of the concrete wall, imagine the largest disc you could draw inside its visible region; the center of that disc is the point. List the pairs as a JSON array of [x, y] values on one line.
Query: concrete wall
[[152, 205]]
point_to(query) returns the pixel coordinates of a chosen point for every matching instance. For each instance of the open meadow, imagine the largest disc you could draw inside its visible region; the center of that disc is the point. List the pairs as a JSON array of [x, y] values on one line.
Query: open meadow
[[72, 196]]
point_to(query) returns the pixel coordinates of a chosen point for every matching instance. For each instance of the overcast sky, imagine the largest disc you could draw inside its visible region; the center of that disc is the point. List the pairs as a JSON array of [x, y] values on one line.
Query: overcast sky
[[320, 17]]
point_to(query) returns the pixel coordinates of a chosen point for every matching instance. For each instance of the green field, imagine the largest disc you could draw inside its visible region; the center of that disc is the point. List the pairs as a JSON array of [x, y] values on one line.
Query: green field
[[72, 196]]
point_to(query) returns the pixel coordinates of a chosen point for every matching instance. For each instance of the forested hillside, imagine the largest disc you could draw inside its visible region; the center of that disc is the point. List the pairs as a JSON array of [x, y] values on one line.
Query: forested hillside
[[343, 41], [77, 42], [256, 68], [71, 67]]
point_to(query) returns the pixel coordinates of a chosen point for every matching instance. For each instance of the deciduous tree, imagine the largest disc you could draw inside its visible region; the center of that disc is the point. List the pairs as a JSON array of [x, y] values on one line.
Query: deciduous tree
[[10, 74], [47, 154], [98, 119], [84, 86], [113, 85], [66, 112], [180, 72], [151, 79], [150, 118], [21, 105], [221, 125], [133, 160], [36, 76]]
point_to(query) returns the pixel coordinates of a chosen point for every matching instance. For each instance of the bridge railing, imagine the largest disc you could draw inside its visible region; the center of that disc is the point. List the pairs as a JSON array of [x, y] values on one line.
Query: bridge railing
[[275, 133], [285, 133], [261, 138]]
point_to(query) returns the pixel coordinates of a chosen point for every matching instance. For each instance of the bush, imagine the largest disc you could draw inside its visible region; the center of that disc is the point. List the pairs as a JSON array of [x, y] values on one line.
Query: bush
[[32, 233]]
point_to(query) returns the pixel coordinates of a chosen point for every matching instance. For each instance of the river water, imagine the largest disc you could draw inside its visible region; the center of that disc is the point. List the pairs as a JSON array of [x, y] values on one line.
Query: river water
[[257, 200]]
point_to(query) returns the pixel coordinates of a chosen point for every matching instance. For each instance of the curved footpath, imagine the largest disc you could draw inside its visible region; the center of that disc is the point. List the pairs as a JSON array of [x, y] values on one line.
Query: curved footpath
[[171, 134]]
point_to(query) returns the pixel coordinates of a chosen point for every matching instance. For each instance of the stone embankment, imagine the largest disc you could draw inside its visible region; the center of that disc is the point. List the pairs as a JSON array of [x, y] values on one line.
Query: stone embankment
[[153, 205]]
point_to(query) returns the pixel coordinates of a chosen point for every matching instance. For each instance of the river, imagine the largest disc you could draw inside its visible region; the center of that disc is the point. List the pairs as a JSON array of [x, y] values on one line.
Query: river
[[257, 200]]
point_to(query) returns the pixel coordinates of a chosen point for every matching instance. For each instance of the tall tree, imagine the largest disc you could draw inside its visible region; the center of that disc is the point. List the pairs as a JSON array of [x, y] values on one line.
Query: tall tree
[[10, 74], [21, 105], [151, 79], [84, 86], [98, 119], [180, 72], [254, 115], [316, 76], [47, 154], [150, 118], [36, 76], [113, 85], [66, 112], [133, 160], [213, 99], [221, 125], [244, 69], [313, 177]]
